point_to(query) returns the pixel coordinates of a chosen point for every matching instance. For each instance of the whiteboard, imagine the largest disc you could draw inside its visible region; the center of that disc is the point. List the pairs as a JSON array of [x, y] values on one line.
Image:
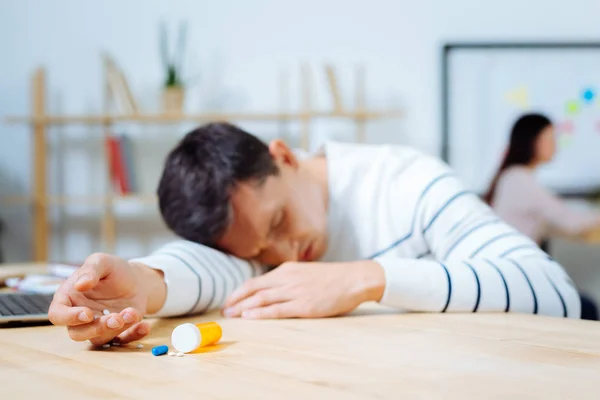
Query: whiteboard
[[489, 88]]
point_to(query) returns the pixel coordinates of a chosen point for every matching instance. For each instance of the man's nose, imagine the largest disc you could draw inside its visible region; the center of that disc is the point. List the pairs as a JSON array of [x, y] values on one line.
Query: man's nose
[[286, 250]]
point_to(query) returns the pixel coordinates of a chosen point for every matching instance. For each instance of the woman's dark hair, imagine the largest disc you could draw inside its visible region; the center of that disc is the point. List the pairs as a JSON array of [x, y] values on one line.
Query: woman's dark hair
[[521, 150]]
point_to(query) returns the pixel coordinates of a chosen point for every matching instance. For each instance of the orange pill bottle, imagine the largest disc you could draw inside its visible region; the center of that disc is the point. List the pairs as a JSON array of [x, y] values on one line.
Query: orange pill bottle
[[189, 337]]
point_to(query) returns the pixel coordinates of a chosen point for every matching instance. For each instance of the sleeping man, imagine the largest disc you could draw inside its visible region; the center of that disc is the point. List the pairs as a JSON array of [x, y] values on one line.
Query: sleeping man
[[269, 233]]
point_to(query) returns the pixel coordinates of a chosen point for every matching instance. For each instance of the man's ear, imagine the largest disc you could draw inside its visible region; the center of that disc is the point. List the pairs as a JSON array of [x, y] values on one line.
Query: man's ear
[[282, 154]]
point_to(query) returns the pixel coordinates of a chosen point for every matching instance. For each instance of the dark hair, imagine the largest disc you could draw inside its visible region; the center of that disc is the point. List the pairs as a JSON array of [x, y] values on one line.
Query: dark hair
[[199, 175], [521, 150]]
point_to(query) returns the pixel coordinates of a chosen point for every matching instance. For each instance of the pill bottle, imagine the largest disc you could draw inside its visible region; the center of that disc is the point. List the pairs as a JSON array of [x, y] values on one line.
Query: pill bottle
[[189, 337]]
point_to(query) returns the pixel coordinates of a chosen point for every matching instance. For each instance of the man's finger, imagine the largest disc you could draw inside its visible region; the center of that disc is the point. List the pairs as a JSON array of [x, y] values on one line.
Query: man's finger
[[249, 288], [96, 267], [59, 314], [101, 330], [262, 298], [273, 311], [61, 311], [136, 332], [131, 315]]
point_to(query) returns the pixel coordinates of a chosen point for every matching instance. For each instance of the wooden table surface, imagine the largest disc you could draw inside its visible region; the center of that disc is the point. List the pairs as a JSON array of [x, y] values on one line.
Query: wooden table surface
[[372, 353]]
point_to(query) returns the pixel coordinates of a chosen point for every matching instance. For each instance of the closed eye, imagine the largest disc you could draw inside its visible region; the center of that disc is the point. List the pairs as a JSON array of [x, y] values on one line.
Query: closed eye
[[277, 224]]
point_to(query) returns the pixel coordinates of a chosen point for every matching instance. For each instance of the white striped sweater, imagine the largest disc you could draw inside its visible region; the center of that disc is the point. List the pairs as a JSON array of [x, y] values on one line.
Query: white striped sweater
[[441, 248]]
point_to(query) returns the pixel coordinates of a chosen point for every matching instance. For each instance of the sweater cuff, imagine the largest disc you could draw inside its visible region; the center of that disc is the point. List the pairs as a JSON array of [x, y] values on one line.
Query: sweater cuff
[[412, 285], [182, 284]]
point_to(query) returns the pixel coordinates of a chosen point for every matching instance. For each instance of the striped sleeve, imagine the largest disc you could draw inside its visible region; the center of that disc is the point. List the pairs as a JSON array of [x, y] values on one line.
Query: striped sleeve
[[198, 278], [479, 262]]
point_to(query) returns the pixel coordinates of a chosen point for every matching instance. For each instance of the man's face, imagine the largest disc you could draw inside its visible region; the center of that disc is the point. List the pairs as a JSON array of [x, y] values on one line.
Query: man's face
[[282, 219]]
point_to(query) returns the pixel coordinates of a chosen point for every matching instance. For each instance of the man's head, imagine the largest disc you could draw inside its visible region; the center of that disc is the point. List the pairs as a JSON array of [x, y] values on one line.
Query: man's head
[[224, 188]]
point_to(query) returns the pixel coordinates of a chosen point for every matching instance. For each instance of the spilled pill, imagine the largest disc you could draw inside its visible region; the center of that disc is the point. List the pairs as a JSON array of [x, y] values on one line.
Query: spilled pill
[[171, 353], [180, 354], [105, 312], [116, 343], [160, 350], [106, 346], [139, 346]]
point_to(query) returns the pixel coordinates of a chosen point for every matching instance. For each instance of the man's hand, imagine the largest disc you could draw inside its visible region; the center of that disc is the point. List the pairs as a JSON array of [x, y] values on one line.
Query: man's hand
[[307, 290], [105, 282]]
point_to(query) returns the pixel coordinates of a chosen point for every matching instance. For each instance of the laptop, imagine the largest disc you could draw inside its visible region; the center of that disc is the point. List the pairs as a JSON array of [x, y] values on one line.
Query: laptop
[[29, 299], [24, 308]]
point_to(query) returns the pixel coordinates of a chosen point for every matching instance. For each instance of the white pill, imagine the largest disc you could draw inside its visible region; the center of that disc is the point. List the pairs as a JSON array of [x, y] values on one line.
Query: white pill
[[116, 343], [106, 346], [180, 354], [105, 312], [139, 346], [172, 353]]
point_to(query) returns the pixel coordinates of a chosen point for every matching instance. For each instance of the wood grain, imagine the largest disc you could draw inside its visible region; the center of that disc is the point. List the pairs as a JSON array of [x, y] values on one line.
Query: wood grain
[[334, 88], [372, 353], [360, 103], [170, 118], [307, 115], [40, 226], [108, 223]]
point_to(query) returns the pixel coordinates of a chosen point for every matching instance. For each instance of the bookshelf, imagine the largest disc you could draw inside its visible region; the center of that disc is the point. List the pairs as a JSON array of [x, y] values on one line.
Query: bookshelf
[[200, 118], [40, 201]]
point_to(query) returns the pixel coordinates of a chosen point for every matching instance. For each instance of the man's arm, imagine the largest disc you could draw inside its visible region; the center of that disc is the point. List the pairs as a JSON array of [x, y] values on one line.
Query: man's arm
[[180, 278], [480, 263], [197, 278]]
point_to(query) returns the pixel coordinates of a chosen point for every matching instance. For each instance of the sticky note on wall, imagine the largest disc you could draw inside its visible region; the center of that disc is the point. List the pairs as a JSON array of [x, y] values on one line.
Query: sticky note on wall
[[519, 97], [572, 107], [588, 95], [566, 128]]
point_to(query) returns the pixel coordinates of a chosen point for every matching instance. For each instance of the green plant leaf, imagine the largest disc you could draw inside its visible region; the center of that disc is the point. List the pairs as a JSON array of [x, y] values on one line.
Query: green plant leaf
[[173, 78], [173, 65]]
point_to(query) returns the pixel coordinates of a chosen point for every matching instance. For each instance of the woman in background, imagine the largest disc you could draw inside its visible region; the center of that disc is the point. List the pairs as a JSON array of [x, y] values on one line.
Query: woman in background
[[517, 197]]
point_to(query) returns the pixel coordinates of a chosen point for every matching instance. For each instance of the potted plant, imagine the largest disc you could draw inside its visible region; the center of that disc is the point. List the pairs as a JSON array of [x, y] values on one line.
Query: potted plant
[[174, 87]]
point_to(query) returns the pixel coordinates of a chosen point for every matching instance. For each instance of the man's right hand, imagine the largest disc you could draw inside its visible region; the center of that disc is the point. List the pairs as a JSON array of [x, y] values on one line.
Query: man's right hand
[[106, 282]]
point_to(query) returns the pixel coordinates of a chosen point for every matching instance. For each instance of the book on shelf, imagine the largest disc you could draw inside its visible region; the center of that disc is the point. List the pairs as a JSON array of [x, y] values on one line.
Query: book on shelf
[[120, 164], [127, 156]]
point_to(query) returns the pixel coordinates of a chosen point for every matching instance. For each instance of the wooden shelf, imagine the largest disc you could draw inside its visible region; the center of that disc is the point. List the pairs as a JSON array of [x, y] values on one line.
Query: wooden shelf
[[63, 200], [203, 117], [111, 207]]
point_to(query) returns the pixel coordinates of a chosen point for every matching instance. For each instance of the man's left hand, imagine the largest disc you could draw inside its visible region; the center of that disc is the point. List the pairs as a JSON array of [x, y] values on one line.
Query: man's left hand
[[307, 290]]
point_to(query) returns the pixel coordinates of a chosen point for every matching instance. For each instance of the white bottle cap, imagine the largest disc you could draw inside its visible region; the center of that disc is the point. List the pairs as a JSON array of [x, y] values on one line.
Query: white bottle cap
[[186, 338]]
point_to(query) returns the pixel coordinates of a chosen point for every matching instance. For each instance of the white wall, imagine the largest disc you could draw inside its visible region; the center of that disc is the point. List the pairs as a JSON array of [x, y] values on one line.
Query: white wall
[[239, 47]]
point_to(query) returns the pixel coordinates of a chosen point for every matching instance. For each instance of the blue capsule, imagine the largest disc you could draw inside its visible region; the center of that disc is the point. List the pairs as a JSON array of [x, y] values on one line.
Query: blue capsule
[[160, 350]]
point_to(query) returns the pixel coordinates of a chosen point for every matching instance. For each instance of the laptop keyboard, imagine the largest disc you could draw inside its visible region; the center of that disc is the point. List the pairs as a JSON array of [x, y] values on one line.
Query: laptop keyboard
[[24, 304]]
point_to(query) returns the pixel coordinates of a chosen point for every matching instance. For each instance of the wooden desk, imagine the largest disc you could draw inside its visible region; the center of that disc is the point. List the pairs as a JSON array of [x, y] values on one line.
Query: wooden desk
[[373, 353]]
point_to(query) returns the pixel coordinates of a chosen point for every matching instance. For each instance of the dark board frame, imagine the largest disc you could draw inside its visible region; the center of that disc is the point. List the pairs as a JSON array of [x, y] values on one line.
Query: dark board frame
[[483, 46]]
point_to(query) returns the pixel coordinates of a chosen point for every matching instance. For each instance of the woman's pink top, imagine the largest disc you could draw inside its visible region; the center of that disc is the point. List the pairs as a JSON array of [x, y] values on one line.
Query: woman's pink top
[[535, 211]]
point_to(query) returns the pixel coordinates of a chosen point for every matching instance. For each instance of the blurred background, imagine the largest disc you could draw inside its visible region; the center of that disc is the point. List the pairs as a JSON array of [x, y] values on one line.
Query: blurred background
[[94, 94]]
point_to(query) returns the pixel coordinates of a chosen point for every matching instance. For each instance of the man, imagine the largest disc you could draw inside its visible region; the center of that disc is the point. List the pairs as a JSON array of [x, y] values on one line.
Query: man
[[354, 223]]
